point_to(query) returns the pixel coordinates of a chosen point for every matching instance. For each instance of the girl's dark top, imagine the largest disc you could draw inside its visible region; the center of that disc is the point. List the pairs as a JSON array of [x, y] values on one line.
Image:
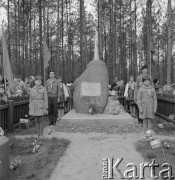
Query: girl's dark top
[[113, 85]]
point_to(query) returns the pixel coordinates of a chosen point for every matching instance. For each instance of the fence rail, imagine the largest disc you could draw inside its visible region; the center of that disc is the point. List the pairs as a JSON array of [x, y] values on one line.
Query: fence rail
[[165, 107], [17, 108]]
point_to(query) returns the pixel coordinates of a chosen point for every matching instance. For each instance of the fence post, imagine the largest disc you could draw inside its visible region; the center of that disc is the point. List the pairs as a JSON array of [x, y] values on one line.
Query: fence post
[[10, 116]]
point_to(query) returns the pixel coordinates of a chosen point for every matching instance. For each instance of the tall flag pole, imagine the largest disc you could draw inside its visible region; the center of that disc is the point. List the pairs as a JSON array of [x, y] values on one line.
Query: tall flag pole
[[47, 57], [6, 63]]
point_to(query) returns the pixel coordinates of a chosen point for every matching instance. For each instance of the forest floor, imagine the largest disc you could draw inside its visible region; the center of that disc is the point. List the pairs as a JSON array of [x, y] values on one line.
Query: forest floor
[[83, 158], [35, 166]]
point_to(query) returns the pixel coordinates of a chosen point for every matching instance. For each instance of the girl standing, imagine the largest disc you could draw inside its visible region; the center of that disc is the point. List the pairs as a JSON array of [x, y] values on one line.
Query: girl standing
[[63, 99], [38, 104], [147, 103], [129, 94]]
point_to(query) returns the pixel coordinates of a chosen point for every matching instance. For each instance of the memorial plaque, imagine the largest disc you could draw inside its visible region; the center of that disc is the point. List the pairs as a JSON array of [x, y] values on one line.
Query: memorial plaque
[[90, 89]]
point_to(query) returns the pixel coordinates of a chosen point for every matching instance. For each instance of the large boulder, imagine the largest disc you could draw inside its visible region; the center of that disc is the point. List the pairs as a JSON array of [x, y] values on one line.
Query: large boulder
[[92, 87]]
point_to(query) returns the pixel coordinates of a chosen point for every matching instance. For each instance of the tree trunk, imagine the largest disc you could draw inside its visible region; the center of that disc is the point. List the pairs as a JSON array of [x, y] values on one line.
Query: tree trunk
[[84, 36], [81, 60], [30, 40], [135, 43], [149, 36], [8, 11], [63, 65], [169, 49], [58, 36], [16, 38], [40, 70], [114, 37], [100, 37]]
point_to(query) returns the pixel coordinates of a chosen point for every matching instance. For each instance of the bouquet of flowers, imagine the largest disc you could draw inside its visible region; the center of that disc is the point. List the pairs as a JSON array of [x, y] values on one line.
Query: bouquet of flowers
[[36, 146], [171, 122], [91, 108], [14, 164]]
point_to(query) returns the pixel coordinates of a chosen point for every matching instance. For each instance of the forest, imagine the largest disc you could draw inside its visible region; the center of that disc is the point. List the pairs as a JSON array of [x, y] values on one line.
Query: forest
[[130, 33]]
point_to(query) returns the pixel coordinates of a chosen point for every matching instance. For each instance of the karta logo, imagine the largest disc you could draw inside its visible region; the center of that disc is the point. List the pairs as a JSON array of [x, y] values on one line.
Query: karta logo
[[111, 168]]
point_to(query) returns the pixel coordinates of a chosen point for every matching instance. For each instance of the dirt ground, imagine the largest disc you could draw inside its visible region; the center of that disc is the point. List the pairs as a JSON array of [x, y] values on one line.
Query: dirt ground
[[83, 158]]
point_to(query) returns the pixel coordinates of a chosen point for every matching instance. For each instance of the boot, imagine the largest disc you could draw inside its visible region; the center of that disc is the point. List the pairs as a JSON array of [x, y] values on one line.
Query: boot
[[54, 119]]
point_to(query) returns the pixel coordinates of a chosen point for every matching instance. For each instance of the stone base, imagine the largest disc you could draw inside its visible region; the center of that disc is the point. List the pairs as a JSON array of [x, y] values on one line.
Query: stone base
[[98, 119]]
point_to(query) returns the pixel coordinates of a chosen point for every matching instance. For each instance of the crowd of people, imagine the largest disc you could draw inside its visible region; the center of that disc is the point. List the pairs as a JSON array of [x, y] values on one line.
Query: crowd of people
[[140, 95], [43, 99], [21, 88]]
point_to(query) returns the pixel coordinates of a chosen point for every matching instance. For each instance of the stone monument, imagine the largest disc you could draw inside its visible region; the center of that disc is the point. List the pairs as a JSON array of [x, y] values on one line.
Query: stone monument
[[91, 88], [91, 96]]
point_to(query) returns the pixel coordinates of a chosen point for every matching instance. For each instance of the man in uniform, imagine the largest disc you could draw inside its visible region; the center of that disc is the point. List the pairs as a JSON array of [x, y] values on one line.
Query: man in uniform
[[54, 93]]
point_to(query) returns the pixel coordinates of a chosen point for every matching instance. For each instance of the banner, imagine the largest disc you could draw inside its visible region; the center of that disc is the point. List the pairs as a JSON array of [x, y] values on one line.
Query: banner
[[6, 63]]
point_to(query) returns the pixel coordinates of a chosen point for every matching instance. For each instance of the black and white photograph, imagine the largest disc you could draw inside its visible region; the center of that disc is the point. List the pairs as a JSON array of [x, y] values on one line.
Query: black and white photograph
[[87, 89]]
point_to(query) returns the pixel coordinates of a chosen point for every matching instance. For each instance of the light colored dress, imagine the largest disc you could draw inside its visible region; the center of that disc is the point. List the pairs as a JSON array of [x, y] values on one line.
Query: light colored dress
[[129, 92], [147, 101], [38, 101], [139, 84]]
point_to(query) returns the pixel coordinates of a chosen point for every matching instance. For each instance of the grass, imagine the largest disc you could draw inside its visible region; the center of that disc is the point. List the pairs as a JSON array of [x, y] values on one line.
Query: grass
[[168, 130], [38, 166], [144, 147], [30, 131]]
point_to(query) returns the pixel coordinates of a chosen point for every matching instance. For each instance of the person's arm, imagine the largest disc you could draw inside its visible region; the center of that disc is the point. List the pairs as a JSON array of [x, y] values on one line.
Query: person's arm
[[151, 81], [136, 88], [66, 92], [155, 101], [45, 99], [126, 91], [59, 91], [46, 86], [4, 98], [30, 99], [139, 99]]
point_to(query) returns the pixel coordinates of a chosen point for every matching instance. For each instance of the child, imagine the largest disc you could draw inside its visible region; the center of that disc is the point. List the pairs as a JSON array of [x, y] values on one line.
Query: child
[[38, 104], [1, 81], [147, 103], [63, 98], [3, 98], [129, 94]]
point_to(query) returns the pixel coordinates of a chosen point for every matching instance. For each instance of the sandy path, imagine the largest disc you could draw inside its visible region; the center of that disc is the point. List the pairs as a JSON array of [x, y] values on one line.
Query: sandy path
[[83, 158]]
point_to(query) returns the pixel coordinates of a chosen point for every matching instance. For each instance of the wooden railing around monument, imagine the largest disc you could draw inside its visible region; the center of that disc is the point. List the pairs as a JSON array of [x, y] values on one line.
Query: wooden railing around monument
[[18, 107], [165, 106]]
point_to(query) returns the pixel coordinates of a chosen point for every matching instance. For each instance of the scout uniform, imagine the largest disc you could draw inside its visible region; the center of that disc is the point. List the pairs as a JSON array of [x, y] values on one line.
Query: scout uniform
[[54, 93]]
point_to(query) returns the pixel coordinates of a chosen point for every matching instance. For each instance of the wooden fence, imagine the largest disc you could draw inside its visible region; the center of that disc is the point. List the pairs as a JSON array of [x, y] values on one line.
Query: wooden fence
[[165, 107], [17, 108]]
